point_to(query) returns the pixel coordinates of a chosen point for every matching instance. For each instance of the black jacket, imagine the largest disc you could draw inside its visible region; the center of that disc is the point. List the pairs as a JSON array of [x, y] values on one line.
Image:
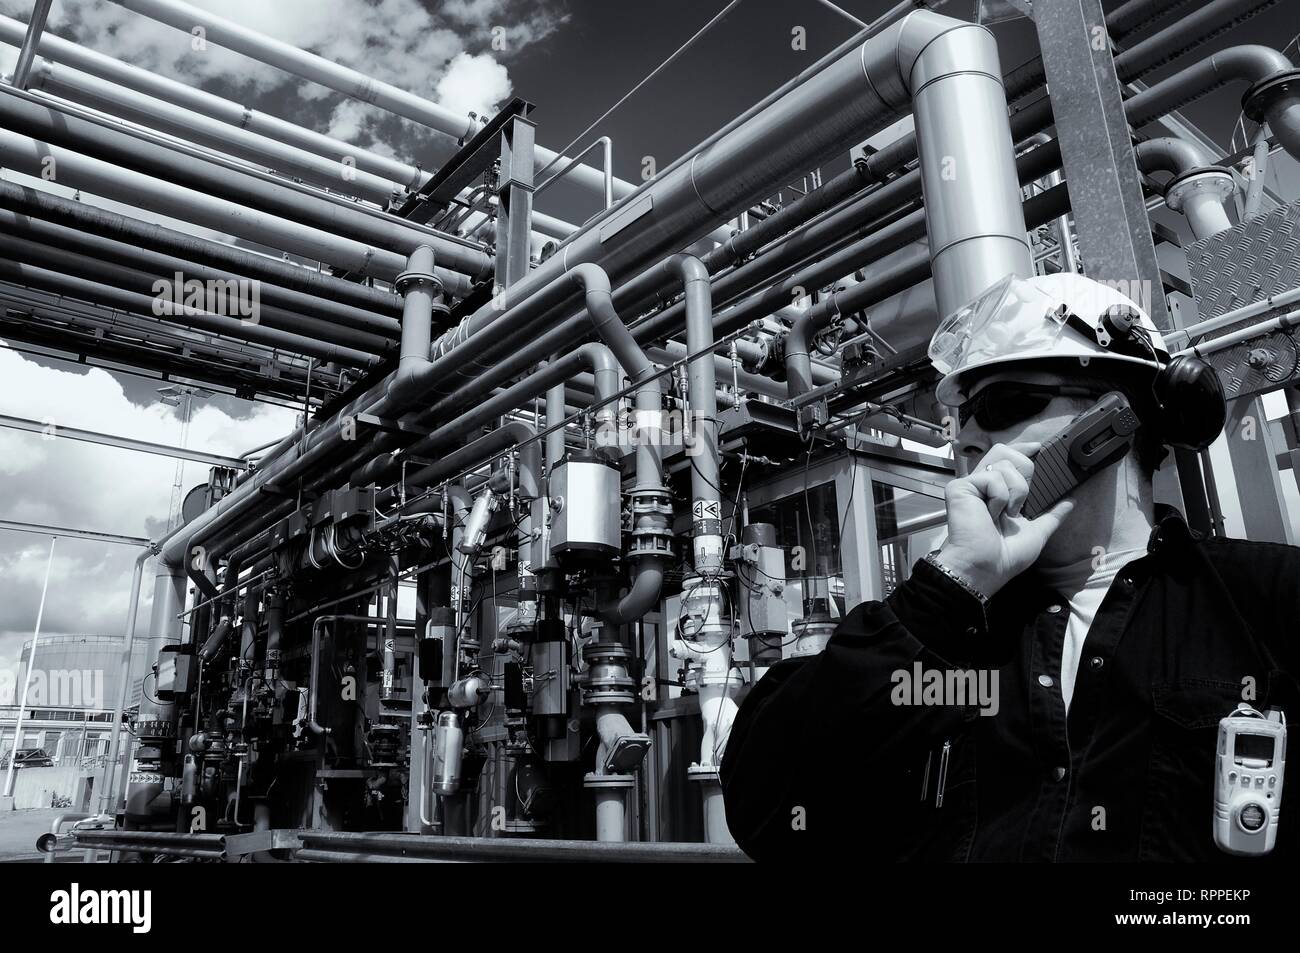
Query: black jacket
[[821, 762]]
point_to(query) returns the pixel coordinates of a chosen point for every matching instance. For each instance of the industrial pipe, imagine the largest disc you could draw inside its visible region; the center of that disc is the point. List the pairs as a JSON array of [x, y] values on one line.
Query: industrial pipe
[[26, 116], [1199, 189], [323, 288]]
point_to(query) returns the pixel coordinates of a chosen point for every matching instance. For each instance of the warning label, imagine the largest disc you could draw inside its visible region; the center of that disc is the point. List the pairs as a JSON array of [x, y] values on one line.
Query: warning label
[[705, 510]]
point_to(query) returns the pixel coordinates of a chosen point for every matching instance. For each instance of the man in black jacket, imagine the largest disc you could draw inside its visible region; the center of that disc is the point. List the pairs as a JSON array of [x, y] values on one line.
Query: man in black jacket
[[1037, 690]]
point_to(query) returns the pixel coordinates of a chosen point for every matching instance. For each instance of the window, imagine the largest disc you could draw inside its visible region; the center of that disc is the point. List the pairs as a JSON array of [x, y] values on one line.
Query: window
[[908, 525]]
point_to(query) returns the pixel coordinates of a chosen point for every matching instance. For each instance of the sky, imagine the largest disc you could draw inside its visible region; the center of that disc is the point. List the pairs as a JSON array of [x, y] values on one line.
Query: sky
[[572, 59]]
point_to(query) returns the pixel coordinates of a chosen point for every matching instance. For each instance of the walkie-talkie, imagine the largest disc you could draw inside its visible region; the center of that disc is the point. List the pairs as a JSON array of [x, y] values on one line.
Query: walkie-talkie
[[1095, 439]]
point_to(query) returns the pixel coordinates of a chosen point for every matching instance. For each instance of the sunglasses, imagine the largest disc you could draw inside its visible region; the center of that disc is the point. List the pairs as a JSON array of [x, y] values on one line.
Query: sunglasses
[[1004, 404]]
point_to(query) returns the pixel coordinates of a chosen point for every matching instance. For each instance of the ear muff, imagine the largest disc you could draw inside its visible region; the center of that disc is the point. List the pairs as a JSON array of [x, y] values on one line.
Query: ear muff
[[1192, 407]]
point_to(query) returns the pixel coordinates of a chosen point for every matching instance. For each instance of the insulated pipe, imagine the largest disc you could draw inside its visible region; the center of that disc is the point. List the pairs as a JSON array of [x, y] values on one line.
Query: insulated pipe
[[323, 288], [164, 297], [1198, 189], [101, 141], [96, 293], [968, 170], [163, 265]]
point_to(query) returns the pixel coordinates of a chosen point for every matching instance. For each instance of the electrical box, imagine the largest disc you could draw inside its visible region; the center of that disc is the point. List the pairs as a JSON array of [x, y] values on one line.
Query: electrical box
[[586, 502]]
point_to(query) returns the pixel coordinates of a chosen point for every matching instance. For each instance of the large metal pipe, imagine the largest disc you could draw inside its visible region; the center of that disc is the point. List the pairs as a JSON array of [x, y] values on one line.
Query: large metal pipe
[[140, 293], [106, 782], [222, 32], [114, 72], [159, 264], [55, 126], [323, 288], [706, 484], [142, 304], [109, 181], [844, 105], [125, 103], [1199, 189]]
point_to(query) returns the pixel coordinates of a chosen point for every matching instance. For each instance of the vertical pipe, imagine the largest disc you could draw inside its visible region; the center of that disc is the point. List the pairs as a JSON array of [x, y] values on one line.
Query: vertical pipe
[[27, 678], [106, 786], [27, 53]]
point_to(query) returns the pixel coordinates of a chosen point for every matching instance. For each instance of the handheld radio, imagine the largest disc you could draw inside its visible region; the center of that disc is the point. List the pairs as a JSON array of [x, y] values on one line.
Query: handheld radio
[[1095, 439]]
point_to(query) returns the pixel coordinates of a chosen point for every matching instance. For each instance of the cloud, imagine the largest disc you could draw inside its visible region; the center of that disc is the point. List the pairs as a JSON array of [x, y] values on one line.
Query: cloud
[[61, 482], [474, 83], [402, 42]]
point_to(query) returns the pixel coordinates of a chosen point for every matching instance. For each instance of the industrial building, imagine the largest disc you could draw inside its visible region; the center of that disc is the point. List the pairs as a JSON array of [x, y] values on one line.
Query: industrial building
[[564, 492]]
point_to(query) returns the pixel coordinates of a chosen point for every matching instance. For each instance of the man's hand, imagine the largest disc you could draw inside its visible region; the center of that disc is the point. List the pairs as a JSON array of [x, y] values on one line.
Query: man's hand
[[989, 542]]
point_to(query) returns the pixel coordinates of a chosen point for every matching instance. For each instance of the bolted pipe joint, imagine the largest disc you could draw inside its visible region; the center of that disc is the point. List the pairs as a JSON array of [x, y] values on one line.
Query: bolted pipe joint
[[1276, 100], [1199, 189], [421, 292]]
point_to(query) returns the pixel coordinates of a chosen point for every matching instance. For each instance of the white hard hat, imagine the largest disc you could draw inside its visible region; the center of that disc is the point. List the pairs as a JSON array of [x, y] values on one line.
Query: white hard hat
[[1057, 316]]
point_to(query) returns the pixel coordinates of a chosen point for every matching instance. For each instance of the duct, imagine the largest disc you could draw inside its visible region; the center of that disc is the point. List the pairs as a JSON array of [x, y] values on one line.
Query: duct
[[324, 289], [335, 175], [419, 288], [46, 280], [1199, 189], [57, 128], [229, 295], [156, 263]]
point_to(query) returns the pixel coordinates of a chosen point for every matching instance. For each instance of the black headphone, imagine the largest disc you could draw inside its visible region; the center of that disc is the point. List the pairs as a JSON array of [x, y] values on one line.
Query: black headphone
[[1190, 408]]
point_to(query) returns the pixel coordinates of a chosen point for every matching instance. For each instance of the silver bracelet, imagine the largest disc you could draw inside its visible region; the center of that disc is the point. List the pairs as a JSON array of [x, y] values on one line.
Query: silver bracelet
[[932, 558]]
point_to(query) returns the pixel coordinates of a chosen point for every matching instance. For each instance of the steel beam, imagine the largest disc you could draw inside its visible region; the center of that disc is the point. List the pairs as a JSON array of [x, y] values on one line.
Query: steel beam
[[1105, 188], [514, 201], [43, 530]]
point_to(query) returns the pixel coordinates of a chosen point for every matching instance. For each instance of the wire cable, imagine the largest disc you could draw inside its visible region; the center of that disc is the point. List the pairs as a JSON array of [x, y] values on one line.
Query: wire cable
[[628, 95]]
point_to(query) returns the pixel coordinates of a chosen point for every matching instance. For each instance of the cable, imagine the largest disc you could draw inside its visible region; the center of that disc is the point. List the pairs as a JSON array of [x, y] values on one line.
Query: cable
[[626, 96]]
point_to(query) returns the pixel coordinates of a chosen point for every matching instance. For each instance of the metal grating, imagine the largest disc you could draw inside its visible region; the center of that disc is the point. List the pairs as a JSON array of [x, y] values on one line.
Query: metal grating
[[1240, 266]]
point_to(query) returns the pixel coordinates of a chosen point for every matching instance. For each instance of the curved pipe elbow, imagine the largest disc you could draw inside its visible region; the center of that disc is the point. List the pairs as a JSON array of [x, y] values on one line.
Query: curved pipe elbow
[[647, 585], [1171, 155]]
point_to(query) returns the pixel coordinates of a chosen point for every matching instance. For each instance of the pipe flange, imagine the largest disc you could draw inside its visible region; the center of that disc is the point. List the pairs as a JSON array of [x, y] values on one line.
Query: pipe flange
[[696, 678], [155, 730], [650, 542], [417, 277], [703, 773], [1211, 180], [609, 691], [594, 653], [1257, 99], [608, 781]]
